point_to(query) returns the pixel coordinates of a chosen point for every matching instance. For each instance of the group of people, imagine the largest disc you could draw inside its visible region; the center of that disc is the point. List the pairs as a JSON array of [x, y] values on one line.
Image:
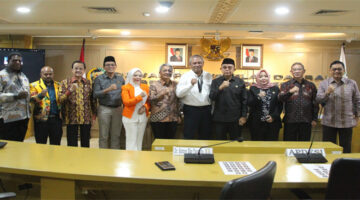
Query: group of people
[[223, 105]]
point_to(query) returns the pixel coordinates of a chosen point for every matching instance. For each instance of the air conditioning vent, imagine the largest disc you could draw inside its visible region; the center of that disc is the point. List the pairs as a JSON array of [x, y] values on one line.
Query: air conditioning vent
[[325, 12], [256, 31], [108, 10]]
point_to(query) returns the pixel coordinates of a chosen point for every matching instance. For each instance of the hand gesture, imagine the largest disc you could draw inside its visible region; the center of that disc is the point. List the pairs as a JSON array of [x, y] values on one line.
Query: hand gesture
[[43, 92], [141, 110], [295, 89], [143, 94], [330, 89], [112, 87], [22, 95], [193, 81], [262, 94], [224, 84], [313, 123], [73, 87], [269, 119], [242, 121]]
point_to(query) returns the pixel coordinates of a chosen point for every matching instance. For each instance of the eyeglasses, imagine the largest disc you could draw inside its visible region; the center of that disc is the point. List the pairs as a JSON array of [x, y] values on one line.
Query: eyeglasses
[[337, 69], [110, 65]]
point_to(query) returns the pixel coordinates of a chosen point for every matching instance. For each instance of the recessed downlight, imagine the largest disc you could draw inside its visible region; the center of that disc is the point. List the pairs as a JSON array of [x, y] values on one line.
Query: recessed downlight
[[125, 33], [162, 9], [282, 11], [299, 36], [146, 14], [23, 10]]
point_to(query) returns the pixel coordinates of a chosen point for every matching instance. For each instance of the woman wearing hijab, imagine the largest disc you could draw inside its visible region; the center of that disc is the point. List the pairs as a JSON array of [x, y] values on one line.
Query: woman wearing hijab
[[136, 109], [265, 109]]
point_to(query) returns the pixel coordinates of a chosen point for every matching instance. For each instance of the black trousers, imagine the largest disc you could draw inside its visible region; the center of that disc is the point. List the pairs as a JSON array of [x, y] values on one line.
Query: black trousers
[[72, 134], [164, 130], [263, 131], [52, 129], [222, 128], [345, 136], [297, 131], [197, 119], [14, 131]]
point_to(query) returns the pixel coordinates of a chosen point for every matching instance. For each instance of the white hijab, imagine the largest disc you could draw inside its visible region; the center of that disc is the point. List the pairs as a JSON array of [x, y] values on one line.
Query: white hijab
[[138, 90], [130, 75]]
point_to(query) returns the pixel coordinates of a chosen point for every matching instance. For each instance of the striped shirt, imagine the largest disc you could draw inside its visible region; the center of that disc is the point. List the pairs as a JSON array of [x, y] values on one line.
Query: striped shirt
[[342, 106]]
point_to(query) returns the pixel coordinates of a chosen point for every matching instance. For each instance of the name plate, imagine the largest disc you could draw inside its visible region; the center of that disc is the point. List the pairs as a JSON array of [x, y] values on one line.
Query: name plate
[[290, 152], [180, 151]]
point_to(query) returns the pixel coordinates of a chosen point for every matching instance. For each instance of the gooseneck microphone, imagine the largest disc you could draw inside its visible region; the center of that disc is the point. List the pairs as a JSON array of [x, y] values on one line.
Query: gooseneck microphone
[[205, 158], [310, 157]]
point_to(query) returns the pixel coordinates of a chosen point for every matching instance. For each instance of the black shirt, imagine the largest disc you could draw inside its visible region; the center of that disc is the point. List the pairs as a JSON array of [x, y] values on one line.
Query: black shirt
[[230, 103]]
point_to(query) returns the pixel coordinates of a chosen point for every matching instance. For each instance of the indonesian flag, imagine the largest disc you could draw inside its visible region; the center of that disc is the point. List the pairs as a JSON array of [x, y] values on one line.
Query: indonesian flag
[[342, 58], [82, 53]]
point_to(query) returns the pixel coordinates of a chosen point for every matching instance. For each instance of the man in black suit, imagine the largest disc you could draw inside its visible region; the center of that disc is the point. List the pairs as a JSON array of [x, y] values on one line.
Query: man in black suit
[[176, 57], [251, 58]]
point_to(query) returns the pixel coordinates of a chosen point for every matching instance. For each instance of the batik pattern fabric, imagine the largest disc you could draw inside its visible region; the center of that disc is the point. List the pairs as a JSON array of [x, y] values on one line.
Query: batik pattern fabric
[[78, 106]]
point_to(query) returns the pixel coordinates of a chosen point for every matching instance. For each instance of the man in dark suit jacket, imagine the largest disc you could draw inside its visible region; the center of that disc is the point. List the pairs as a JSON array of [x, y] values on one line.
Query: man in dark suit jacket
[[176, 57], [251, 58]]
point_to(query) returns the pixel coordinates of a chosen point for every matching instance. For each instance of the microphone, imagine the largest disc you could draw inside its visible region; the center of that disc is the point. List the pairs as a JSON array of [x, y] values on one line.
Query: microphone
[[205, 158], [310, 157]]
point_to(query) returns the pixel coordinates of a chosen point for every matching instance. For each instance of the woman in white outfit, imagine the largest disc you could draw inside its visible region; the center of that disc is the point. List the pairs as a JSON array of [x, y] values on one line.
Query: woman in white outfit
[[136, 109]]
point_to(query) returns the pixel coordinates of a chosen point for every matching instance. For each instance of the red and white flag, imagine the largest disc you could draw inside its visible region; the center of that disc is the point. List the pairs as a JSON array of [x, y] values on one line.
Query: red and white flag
[[342, 58]]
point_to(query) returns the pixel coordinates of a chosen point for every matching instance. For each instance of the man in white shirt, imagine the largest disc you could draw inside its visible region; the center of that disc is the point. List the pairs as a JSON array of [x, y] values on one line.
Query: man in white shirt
[[193, 91]]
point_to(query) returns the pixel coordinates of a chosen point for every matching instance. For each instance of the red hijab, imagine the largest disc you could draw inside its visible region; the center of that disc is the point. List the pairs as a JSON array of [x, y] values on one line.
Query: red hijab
[[259, 85]]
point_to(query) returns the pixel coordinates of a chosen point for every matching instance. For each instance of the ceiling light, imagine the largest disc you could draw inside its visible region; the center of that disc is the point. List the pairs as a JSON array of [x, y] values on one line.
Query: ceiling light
[[162, 9], [23, 10], [146, 14], [282, 10], [299, 36], [125, 33]]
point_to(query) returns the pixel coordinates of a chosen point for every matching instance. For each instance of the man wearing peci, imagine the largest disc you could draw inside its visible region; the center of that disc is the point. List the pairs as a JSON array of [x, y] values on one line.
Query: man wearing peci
[[230, 97], [193, 91], [107, 88]]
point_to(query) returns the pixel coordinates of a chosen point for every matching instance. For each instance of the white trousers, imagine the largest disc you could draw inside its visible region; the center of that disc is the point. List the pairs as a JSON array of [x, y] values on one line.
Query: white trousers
[[110, 123], [134, 134]]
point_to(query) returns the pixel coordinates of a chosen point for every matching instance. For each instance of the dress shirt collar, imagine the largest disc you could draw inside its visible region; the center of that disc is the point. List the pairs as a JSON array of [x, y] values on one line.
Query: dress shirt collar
[[74, 79], [302, 81], [163, 83], [196, 74], [332, 80], [231, 79]]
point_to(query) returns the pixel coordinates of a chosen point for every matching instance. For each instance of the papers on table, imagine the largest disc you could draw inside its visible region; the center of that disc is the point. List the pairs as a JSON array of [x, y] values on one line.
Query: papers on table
[[180, 151], [237, 167], [320, 170]]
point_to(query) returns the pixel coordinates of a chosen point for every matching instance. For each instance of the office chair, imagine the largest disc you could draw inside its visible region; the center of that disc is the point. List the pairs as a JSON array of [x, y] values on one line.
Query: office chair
[[344, 179], [254, 186]]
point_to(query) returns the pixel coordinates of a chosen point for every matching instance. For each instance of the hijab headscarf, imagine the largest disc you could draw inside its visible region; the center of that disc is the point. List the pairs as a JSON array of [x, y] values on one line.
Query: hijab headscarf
[[130, 75], [259, 85]]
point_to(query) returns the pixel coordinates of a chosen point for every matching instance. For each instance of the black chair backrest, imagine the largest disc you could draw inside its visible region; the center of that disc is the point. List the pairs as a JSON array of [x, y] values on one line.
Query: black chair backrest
[[254, 186], [344, 179]]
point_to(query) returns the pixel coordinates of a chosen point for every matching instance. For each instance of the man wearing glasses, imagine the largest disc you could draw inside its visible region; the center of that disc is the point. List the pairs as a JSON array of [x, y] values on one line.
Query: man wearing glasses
[[340, 98], [301, 108], [107, 89]]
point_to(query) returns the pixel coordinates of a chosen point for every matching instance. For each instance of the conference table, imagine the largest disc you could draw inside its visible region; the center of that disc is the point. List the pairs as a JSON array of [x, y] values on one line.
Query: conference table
[[62, 172], [248, 147]]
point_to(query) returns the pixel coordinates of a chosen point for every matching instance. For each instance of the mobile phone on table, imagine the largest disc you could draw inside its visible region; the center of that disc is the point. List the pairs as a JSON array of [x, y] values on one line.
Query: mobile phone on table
[[165, 165], [2, 144]]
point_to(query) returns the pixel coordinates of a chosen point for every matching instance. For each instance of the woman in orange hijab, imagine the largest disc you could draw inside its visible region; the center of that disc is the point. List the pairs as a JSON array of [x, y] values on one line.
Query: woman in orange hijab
[[136, 109]]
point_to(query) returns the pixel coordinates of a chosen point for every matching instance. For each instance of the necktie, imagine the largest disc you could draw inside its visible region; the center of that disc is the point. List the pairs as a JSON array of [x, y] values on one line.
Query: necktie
[[200, 82]]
